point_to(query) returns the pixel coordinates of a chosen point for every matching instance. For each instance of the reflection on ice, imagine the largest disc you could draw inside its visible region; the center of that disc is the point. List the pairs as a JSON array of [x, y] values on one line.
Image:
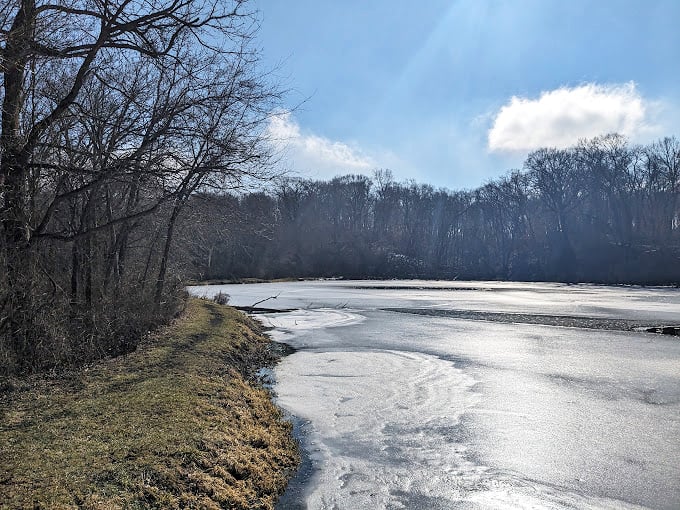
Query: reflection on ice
[[386, 433]]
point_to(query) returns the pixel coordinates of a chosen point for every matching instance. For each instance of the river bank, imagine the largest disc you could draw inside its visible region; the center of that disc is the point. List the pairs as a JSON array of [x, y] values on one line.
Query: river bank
[[180, 422]]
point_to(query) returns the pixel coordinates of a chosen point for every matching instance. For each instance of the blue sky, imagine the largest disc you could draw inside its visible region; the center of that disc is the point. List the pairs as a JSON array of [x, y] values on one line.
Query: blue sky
[[457, 92]]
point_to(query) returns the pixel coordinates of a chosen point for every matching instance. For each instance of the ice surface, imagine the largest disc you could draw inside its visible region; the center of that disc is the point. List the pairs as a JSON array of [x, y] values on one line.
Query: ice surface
[[658, 303], [409, 411], [289, 324], [373, 438]]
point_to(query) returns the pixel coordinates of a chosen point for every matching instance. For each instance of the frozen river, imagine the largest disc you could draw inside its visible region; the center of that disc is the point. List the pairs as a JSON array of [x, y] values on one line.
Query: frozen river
[[473, 395]]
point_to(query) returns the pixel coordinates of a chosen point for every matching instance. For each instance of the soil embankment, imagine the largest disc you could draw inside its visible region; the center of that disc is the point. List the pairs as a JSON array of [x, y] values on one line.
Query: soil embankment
[[181, 422]]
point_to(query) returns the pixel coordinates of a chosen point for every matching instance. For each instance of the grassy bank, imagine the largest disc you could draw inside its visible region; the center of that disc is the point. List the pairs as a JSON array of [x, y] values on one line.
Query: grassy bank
[[178, 423]]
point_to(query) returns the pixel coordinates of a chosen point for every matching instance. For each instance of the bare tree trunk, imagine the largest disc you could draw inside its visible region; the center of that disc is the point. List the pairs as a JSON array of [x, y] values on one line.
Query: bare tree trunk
[[75, 276], [160, 281]]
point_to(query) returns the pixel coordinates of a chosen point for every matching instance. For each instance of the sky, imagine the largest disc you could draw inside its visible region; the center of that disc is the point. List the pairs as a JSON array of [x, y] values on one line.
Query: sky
[[455, 93]]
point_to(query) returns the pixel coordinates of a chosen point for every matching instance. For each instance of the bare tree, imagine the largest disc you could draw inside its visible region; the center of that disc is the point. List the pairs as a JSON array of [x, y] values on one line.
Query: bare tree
[[558, 182], [662, 181], [113, 112]]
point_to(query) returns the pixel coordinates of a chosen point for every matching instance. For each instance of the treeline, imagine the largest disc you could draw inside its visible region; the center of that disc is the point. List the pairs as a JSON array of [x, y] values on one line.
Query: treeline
[[602, 211], [114, 113]]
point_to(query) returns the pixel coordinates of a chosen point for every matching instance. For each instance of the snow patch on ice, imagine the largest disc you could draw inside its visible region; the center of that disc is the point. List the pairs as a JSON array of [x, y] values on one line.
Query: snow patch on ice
[[289, 324], [383, 422]]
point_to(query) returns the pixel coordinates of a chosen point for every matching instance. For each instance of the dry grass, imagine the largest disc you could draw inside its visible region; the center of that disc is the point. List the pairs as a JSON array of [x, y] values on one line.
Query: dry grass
[[176, 424]]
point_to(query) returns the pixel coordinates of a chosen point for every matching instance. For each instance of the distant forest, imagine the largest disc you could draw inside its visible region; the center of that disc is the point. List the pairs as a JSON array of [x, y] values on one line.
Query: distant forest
[[602, 211]]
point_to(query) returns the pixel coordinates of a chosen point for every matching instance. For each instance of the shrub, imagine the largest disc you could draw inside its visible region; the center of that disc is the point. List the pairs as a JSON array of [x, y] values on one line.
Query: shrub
[[221, 298]]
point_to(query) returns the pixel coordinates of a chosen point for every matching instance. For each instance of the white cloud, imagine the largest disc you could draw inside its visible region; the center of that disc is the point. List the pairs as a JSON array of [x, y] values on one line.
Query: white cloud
[[559, 118], [315, 155]]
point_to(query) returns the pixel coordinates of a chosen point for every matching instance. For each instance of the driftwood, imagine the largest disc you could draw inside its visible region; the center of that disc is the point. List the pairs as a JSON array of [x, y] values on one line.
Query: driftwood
[[665, 330]]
